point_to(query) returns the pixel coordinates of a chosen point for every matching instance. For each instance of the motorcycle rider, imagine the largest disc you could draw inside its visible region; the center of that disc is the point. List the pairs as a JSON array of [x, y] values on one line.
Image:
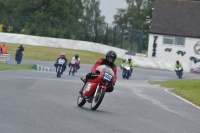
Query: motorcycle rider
[[62, 56], [123, 61], [77, 60], [130, 62], [178, 64], [109, 60]]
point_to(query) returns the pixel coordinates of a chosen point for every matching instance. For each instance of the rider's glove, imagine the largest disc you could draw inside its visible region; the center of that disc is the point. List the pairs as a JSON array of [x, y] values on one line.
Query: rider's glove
[[88, 75]]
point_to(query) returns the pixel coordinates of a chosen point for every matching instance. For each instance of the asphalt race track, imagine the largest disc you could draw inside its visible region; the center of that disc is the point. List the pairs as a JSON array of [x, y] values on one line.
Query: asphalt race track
[[39, 102]]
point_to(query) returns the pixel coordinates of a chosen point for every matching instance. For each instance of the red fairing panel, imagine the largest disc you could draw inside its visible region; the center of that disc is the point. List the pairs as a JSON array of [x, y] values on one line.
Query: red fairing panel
[[89, 88]]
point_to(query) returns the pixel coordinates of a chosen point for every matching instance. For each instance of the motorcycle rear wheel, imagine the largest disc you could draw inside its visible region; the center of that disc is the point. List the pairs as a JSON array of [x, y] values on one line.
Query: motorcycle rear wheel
[[81, 101], [97, 99]]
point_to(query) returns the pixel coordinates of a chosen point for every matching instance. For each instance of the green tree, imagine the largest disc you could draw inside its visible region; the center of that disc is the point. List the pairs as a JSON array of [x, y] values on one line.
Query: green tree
[[70, 19], [93, 20], [133, 18]]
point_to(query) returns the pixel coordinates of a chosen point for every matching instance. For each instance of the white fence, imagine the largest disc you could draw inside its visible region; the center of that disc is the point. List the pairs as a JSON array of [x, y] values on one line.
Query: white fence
[[147, 62]]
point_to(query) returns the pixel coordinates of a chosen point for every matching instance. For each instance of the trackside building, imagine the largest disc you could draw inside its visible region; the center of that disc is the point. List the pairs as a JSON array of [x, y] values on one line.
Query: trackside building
[[175, 32]]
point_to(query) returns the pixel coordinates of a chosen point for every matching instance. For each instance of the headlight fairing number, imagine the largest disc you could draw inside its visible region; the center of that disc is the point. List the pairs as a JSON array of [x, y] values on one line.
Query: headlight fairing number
[[61, 61], [107, 76], [88, 87]]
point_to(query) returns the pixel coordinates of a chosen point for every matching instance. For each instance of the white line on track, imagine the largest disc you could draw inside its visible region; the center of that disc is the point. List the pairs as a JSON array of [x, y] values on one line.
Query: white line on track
[[5, 71], [63, 80], [166, 90], [51, 72], [182, 99]]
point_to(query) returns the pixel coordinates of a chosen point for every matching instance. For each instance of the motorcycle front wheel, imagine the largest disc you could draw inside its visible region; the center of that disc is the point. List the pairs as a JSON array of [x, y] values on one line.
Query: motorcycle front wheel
[[179, 75], [70, 70], [81, 101], [73, 71], [59, 71], [97, 99]]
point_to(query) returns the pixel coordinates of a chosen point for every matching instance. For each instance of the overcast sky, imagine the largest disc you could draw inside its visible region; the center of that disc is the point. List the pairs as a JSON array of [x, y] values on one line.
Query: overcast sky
[[108, 8]]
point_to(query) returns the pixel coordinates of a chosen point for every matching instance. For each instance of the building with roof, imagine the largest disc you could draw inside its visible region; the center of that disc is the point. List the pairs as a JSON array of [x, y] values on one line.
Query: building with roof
[[175, 32]]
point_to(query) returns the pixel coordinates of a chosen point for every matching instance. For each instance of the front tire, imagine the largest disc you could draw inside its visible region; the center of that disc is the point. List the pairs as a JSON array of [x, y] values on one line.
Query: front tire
[[179, 75], [81, 101], [59, 71], [123, 74], [97, 99], [70, 70]]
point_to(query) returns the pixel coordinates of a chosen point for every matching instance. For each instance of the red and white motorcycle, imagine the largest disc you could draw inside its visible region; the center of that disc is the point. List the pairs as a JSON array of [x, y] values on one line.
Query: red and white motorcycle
[[95, 88]]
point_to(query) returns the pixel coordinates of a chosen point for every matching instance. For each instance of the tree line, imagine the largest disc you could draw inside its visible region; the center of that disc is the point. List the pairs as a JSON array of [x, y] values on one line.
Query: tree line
[[78, 20]]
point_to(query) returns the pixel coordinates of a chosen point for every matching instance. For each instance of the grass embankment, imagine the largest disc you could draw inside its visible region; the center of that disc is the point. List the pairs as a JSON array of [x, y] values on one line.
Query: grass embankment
[[188, 89], [51, 54], [16, 67]]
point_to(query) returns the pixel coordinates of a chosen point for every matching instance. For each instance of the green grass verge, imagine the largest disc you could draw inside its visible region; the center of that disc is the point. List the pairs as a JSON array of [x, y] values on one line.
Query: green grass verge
[[51, 54], [188, 89], [16, 67]]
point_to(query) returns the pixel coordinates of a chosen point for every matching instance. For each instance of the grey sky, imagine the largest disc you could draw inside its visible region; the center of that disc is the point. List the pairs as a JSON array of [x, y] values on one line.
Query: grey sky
[[109, 8]]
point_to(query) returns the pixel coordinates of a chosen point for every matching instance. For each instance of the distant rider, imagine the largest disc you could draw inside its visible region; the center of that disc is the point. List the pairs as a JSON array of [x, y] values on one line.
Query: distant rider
[[62, 56], [109, 60], [178, 64], [130, 62], [76, 60]]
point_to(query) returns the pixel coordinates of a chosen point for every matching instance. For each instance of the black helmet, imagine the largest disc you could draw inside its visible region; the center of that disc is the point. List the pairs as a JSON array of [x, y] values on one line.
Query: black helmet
[[129, 59], [111, 54], [76, 56]]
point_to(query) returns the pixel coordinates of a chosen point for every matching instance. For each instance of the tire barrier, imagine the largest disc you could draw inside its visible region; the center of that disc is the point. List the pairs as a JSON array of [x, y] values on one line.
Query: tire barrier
[[41, 68]]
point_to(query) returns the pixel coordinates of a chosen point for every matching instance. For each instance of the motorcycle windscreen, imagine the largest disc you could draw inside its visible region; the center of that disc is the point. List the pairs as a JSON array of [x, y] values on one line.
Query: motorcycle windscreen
[[106, 69], [89, 88]]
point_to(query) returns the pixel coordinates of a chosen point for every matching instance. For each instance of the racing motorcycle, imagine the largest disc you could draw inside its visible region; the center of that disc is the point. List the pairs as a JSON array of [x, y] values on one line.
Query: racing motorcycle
[[72, 68], [95, 88], [179, 72], [60, 67], [126, 71]]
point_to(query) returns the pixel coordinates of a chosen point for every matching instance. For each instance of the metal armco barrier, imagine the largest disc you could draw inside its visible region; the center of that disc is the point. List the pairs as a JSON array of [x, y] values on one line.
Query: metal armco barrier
[[5, 58]]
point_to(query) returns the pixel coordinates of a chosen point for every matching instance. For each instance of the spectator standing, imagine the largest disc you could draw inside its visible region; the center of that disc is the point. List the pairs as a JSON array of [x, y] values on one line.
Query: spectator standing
[[3, 49], [19, 54]]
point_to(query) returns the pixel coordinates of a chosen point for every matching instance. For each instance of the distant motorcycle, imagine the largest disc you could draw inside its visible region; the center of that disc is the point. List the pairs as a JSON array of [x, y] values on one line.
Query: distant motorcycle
[[179, 72], [126, 71], [73, 67], [95, 88], [60, 67]]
